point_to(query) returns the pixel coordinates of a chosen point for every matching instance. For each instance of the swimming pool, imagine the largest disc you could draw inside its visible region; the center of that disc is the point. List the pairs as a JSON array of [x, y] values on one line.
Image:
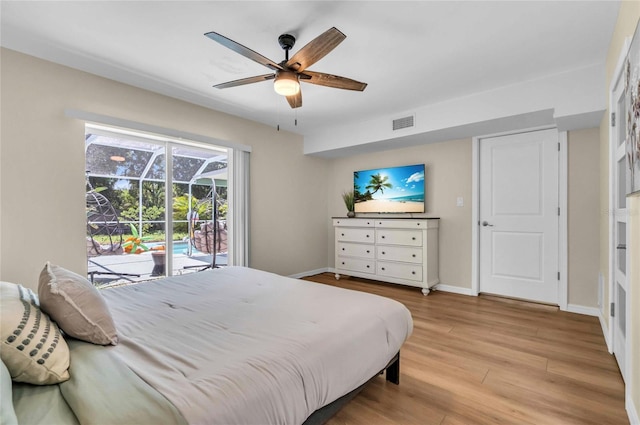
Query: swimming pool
[[179, 247]]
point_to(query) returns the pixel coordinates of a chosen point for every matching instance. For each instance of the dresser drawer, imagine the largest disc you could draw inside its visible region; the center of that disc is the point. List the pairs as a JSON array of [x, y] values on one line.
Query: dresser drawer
[[400, 270], [399, 237], [355, 250], [353, 222], [406, 224], [399, 253], [356, 265], [350, 234]]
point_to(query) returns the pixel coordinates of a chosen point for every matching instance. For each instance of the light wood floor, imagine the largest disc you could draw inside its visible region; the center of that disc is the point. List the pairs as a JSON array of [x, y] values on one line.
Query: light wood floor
[[487, 360]]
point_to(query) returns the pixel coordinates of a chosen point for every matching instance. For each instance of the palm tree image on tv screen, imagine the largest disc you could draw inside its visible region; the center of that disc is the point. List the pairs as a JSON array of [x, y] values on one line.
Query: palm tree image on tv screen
[[389, 190]]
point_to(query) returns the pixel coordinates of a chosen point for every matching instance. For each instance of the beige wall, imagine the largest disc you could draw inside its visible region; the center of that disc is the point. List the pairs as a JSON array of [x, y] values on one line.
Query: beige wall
[[292, 195], [583, 216], [42, 170], [628, 19]]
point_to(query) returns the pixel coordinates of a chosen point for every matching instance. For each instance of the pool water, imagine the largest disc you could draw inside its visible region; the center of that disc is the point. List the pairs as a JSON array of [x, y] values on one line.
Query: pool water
[[179, 247]]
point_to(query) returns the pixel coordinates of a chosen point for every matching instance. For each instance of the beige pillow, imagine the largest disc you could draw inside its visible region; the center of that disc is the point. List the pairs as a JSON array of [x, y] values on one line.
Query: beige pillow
[[76, 305], [33, 348]]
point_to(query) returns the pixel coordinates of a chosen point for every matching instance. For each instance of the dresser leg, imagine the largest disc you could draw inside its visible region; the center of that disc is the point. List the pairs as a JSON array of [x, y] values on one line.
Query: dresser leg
[[337, 276], [425, 291]]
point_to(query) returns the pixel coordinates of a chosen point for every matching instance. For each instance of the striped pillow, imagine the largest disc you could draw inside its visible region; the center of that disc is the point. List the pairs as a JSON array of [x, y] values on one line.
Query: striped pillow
[[33, 349]]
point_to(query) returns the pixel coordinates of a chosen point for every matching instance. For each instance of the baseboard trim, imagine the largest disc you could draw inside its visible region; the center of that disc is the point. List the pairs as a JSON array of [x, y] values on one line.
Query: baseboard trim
[[634, 419], [454, 289], [580, 309], [310, 273], [605, 331]]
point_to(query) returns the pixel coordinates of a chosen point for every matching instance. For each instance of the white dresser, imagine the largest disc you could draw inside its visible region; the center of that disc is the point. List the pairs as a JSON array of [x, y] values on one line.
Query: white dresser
[[394, 250]]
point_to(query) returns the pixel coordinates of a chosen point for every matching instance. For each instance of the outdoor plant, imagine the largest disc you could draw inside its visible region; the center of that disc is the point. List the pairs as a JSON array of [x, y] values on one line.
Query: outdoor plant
[[134, 243]]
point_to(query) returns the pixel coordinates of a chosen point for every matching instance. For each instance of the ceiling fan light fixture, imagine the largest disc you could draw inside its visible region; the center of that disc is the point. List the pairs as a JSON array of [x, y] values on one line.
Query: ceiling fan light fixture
[[286, 83]]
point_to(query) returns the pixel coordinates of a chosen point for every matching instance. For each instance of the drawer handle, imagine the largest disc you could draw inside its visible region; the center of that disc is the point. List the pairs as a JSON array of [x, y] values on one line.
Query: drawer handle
[[367, 266], [342, 234], [343, 250], [418, 224], [383, 268], [343, 263], [367, 235], [383, 253], [413, 272], [413, 255], [382, 236], [368, 251], [413, 238]]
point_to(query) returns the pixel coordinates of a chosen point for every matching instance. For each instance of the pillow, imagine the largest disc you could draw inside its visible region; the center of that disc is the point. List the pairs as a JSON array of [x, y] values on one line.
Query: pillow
[[76, 305], [33, 348]]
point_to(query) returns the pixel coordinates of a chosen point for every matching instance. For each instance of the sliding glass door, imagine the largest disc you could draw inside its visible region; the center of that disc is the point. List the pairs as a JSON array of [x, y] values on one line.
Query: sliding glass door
[[159, 224]]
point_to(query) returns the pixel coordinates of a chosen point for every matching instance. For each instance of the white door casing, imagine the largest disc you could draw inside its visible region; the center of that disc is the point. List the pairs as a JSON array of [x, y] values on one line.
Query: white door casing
[[519, 216]]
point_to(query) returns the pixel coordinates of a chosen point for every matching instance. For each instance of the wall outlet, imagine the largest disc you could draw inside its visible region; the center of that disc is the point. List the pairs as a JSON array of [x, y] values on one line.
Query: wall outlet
[[459, 202]]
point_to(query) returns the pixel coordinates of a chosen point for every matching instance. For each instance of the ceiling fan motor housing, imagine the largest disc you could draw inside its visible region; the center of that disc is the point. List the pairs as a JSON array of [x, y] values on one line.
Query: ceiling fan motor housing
[[286, 41]]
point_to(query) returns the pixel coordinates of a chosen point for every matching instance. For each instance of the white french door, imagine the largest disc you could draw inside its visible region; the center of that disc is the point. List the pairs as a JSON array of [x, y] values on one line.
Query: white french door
[[519, 216], [618, 230]]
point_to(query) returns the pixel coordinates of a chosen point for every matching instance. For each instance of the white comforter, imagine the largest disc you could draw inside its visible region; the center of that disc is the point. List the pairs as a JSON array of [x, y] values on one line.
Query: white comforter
[[242, 346]]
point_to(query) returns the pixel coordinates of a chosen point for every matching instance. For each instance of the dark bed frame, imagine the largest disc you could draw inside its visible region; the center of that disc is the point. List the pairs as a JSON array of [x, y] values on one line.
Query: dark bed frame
[[323, 414]]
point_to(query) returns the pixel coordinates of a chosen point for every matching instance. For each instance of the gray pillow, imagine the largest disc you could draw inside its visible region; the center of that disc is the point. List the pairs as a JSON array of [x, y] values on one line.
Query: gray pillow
[[33, 348], [76, 305]]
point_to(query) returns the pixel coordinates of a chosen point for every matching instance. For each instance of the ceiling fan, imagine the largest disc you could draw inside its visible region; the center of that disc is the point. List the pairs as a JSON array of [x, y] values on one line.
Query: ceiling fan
[[290, 72]]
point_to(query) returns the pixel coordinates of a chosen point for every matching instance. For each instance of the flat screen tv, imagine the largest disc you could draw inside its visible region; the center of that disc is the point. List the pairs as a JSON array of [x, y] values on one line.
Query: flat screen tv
[[389, 190]]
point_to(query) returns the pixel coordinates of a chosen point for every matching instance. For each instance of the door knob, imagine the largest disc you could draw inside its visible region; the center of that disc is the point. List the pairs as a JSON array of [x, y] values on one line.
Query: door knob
[[485, 224]]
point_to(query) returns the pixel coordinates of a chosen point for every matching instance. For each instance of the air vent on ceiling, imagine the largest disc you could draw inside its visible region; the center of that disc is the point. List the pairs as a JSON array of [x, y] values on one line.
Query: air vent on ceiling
[[401, 123]]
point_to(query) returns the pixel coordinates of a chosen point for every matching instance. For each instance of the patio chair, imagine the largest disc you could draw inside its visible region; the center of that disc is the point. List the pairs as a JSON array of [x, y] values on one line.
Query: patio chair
[[209, 239], [102, 220]]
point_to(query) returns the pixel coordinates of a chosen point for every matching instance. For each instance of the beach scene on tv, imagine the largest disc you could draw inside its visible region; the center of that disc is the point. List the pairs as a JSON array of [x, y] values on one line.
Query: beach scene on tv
[[391, 189]]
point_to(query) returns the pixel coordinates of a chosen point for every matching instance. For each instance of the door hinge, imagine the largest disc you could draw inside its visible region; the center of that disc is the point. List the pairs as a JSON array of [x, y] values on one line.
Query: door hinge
[[613, 119], [558, 210], [613, 310], [558, 147], [558, 275]]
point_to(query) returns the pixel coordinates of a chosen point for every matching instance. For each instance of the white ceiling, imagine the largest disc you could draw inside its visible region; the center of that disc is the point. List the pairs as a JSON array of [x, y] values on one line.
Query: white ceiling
[[411, 54]]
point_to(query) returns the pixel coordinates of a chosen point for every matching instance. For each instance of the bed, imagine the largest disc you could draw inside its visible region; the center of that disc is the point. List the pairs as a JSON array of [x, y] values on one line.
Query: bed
[[231, 346]]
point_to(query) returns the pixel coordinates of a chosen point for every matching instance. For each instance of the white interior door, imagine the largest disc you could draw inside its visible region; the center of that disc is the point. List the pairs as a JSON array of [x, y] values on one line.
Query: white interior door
[[519, 216]]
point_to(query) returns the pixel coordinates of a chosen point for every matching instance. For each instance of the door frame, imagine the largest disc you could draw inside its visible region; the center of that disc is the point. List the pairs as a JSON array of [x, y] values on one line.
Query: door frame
[[562, 224]]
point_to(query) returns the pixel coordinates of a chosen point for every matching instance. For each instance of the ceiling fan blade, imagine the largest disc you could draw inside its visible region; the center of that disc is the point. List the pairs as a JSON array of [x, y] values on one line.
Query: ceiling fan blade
[[329, 80], [295, 101], [244, 51], [316, 49], [243, 81]]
